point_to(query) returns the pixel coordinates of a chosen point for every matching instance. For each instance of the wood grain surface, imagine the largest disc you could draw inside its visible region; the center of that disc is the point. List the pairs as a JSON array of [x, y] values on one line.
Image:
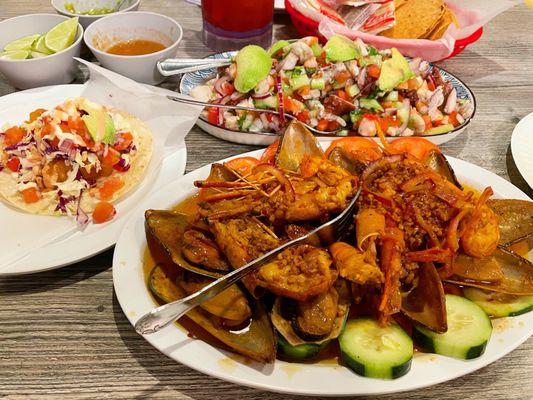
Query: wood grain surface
[[64, 336]]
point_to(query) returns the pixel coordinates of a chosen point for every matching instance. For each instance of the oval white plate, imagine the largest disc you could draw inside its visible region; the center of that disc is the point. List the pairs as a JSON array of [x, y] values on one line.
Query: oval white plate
[[522, 148], [309, 379], [193, 79], [95, 238]]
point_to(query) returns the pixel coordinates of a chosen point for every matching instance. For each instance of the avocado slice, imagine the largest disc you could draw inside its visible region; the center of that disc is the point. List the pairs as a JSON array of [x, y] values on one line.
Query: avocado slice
[[390, 76], [277, 46], [340, 48], [100, 126], [400, 62], [253, 65]]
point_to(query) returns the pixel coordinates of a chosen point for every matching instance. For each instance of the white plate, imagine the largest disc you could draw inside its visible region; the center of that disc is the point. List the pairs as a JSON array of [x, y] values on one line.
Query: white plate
[[309, 379], [95, 238], [522, 148], [193, 79]]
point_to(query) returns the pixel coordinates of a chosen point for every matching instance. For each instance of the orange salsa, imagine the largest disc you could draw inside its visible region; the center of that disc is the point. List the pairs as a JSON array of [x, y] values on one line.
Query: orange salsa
[[135, 47]]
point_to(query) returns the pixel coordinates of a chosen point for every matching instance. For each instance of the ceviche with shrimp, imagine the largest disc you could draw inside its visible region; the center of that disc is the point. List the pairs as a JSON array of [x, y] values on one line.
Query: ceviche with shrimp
[[75, 159], [341, 88]]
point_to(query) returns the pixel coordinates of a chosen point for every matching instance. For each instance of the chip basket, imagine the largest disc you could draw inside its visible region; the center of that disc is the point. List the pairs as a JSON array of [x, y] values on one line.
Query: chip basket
[[307, 27]]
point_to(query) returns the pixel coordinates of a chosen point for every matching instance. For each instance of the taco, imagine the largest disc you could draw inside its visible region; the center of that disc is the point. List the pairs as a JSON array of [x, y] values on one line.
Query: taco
[[66, 160]]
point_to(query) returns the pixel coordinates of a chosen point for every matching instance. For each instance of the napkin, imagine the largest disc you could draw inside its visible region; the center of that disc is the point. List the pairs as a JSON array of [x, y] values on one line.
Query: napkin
[[169, 122], [471, 15]]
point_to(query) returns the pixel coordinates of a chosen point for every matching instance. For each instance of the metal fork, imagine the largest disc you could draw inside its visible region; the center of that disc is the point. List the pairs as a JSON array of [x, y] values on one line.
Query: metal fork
[[165, 315], [259, 110]]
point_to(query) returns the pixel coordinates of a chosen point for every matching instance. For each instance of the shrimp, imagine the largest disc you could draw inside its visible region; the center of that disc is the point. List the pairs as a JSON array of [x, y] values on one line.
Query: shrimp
[[354, 265], [367, 127], [481, 233], [301, 50], [54, 172]]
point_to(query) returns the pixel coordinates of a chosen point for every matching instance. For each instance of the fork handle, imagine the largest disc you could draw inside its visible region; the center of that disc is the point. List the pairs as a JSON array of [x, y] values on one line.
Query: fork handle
[[172, 66], [166, 314], [226, 106]]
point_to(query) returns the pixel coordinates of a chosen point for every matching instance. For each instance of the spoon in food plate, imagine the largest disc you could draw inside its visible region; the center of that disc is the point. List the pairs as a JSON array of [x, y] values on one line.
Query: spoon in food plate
[[166, 314], [177, 66], [259, 110]]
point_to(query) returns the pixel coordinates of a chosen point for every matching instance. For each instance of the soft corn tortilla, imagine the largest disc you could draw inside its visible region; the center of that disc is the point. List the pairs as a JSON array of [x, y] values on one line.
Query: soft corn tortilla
[[142, 138]]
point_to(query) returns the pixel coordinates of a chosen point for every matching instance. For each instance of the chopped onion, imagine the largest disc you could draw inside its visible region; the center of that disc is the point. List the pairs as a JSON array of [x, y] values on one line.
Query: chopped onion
[[219, 85], [261, 96], [81, 217], [237, 96], [68, 147], [18, 146]]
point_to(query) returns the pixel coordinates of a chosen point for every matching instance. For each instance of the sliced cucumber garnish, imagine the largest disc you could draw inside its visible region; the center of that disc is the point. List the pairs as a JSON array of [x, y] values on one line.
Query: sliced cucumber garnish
[[300, 352], [469, 330], [376, 351], [499, 304]]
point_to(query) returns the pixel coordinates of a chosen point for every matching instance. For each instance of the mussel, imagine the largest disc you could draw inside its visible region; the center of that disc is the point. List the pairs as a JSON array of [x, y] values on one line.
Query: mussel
[[516, 218], [297, 142], [316, 320], [339, 157], [437, 162], [256, 340]]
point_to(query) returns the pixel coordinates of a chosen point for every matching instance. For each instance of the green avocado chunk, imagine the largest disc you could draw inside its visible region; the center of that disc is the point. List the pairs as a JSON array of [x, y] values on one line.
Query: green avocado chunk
[[277, 46], [253, 65], [340, 48], [394, 71], [100, 126]]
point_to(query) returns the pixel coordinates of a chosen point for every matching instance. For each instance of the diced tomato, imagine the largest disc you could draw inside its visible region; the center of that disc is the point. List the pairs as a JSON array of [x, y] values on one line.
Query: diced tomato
[[428, 122], [109, 187], [292, 106], [123, 141], [431, 85], [322, 125], [36, 114], [362, 149], [103, 212], [46, 129], [453, 118], [270, 153], [112, 157], [13, 135], [13, 164], [373, 71], [243, 165], [31, 195], [388, 121], [333, 125], [417, 147], [212, 115], [303, 116], [64, 127], [342, 76], [303, 91], [76, 124]]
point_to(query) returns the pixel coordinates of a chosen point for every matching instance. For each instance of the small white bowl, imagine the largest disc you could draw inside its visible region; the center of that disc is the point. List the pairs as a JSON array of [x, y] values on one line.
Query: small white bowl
[[86, 5], [55, 69], [116, 28]]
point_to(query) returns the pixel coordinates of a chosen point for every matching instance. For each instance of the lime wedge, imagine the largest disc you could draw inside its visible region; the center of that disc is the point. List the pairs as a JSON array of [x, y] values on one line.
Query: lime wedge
[[22, 43], [62, 35], [39, 46], [36, 54], [14, 55]]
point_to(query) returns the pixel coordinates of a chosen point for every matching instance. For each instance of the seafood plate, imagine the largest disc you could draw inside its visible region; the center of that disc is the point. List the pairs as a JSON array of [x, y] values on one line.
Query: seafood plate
[[339, 89], [428, 264]]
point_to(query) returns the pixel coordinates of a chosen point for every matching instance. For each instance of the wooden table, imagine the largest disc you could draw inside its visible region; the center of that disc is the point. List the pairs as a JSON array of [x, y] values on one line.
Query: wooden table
[[63, 334]]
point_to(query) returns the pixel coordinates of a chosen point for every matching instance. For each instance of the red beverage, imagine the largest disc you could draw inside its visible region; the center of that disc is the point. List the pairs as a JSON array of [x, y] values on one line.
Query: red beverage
[[232, 24]]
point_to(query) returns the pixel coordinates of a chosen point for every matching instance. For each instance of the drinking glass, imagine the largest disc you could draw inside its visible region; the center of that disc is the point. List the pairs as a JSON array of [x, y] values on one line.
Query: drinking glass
[[232, 24]]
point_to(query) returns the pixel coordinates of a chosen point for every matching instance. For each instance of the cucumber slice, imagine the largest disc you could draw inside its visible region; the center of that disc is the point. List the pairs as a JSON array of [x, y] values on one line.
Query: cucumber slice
[[469, 330], [499, 304], [300, 352], [375, 351]]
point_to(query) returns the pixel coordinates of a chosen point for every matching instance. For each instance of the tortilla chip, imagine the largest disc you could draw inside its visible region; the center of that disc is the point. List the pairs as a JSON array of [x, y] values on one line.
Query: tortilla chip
[[438, 31], [415, 18]]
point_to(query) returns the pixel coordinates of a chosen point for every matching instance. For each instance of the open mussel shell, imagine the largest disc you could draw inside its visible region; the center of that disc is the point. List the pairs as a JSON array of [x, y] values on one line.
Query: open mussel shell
[[425, 302], [285, 326], [504, 271], [164, 231], [438, 163], [297, 142], [256, 341], [338, 157], [516, 218]]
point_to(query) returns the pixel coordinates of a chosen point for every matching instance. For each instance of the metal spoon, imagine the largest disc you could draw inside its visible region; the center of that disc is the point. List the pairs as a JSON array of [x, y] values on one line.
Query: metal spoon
[[164, 315], [259, 110], [176, 66]]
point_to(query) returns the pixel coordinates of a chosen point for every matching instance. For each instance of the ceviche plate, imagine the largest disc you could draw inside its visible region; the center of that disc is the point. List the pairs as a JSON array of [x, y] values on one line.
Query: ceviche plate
[[75, 245], [192, 79], [320, 379], [522, 147]]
